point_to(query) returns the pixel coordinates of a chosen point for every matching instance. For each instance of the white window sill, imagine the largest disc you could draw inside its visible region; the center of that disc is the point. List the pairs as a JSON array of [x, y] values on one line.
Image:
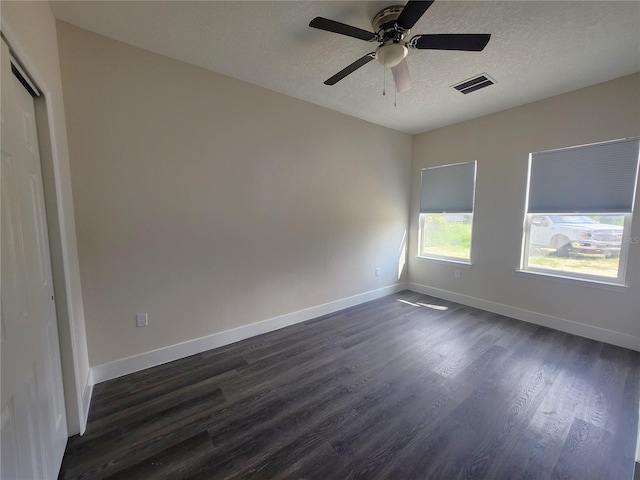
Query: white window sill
[[583, 282], [447, 261]]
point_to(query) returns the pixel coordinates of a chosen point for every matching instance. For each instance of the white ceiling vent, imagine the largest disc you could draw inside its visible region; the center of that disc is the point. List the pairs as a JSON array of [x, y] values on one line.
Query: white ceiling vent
[[475, 83]]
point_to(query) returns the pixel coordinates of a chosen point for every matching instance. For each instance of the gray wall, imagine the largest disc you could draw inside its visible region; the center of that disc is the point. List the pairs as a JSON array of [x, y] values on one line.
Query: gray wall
[[501, 144], [211, 203]]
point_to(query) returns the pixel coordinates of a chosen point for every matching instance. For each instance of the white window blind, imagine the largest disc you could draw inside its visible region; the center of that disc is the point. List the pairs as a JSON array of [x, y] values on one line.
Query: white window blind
[[448, 188], [586, 179]]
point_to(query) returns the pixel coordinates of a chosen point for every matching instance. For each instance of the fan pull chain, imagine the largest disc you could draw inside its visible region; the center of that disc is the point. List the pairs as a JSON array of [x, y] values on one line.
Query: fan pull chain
[[384, 81], [395, 97]]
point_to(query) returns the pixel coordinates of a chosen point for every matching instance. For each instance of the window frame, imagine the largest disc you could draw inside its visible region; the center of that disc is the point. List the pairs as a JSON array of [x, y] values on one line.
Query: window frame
[[422, 216], [620, 279], [435, 256]]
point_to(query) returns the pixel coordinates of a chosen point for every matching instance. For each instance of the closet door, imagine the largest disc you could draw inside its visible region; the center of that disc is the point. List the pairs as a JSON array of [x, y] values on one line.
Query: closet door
[[34, 428]]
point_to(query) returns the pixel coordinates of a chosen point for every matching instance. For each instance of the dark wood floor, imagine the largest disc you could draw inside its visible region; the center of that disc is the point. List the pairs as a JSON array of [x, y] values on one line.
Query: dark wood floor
[[406, 387]]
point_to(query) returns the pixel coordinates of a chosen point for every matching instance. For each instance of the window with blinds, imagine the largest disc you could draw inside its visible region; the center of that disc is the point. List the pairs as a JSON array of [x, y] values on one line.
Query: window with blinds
[[579, 206], [446, 211]]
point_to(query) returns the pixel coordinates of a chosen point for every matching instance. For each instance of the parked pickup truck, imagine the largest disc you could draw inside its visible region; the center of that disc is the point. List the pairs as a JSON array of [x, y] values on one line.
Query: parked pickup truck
[[566, 233]]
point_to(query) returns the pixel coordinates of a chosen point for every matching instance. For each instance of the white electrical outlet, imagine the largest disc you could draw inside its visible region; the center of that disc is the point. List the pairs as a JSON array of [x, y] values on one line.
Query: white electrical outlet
[[142, 319], [377, 271], [456, 273]]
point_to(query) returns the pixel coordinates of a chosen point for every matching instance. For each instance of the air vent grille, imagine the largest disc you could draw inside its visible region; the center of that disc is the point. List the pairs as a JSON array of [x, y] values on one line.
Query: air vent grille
[[475, 83]]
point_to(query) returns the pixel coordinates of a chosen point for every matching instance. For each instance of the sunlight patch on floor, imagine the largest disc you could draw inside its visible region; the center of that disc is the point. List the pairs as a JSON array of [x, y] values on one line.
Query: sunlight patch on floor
[[428, 305]]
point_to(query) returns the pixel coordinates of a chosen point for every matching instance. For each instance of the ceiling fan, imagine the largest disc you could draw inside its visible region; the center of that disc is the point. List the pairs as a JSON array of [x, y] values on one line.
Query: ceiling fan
[[391, 25]]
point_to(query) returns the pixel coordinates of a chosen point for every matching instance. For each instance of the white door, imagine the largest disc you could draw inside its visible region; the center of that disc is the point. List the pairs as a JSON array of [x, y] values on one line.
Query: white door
[[34, 427]]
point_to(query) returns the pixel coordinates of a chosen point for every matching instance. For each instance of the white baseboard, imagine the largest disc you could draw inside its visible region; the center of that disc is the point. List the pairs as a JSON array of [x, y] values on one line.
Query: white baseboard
[[124, 366], [589, 331], [86, 402]]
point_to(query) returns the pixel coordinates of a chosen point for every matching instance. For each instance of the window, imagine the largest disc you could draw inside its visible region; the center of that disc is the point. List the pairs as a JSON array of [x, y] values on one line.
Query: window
[[579, 208], [446, 211]]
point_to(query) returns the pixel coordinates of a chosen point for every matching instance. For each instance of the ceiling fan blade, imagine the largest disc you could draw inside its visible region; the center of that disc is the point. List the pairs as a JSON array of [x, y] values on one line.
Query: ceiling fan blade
[[402, 77], [350, 69], [470, 42], [411, 13], [342, 29]]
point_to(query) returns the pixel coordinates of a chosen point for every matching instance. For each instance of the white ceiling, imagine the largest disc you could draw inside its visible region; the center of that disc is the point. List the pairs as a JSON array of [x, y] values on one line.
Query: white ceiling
[[538, 49]]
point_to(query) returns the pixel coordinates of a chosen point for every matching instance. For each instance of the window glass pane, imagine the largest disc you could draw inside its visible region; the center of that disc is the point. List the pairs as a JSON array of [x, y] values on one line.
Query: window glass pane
[[587, 245], [446, 235]]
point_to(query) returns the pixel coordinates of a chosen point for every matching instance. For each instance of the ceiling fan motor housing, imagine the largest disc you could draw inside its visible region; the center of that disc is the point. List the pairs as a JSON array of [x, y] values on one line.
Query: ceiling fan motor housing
[[385, 21], [393, 49]]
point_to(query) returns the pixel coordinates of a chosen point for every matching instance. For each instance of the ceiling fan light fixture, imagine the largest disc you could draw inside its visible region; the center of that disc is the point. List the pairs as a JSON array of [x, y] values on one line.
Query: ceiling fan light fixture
[[391, 54]]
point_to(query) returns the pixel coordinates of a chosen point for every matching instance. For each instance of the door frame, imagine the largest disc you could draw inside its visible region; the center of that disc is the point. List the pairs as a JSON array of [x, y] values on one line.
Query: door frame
[[64, 262]]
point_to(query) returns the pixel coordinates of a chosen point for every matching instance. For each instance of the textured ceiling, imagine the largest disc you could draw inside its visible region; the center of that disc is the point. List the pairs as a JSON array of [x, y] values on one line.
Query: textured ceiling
[[538, 49]]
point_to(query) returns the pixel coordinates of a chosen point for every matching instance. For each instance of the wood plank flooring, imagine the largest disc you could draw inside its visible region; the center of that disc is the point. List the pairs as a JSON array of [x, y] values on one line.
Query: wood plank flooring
[[405, 387]]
